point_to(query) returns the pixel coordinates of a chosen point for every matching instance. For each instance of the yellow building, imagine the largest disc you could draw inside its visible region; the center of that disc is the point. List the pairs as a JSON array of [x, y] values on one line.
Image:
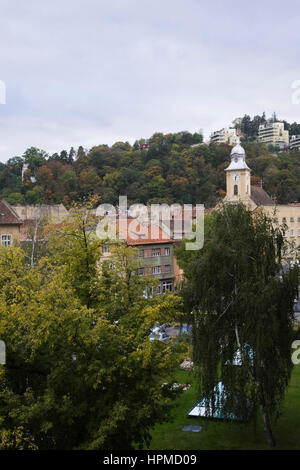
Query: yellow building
[[288, 214], [273, 133], [228, 135], [238, 182], [239, 189], [10, 225]]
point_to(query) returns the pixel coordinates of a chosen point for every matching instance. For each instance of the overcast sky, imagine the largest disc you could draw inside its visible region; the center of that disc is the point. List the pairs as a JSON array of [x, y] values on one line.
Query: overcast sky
[[97, 71]]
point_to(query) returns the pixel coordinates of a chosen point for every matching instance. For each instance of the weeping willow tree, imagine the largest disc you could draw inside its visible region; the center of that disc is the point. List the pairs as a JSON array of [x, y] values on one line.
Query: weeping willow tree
[[242, 304]]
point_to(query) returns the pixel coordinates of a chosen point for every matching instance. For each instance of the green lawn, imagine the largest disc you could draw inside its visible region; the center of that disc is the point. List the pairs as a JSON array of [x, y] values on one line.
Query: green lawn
[[228, 436]]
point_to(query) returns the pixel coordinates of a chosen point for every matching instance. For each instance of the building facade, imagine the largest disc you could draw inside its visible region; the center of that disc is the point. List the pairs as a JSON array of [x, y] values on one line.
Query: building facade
[[295, 142], [157, 260], [10, 225], [273, 133], [155, 254], [227, 135]]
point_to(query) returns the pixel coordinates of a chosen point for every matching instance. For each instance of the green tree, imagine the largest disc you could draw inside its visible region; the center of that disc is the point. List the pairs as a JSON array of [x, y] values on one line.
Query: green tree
[[35, 158], [89, 182], [241, 301], [81, 372]]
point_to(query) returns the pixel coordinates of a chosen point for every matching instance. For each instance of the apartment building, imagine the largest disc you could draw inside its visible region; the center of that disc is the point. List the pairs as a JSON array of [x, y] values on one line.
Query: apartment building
[[227, 135], [289, 215], [273, 133], [295, 142], [155, 253]]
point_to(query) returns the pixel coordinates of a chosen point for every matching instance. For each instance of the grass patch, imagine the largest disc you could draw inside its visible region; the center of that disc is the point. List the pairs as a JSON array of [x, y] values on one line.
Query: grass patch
[[218, 435]]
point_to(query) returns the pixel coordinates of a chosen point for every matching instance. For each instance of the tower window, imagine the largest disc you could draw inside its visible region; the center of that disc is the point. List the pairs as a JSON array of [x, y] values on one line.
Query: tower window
[[235, 190]]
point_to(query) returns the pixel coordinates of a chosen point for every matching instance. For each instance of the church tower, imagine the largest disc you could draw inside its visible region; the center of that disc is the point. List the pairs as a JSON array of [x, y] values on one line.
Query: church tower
[[238, 186]]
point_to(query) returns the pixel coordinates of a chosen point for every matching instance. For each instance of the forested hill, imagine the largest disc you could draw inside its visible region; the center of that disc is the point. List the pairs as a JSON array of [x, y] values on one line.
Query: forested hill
[[166, 168]]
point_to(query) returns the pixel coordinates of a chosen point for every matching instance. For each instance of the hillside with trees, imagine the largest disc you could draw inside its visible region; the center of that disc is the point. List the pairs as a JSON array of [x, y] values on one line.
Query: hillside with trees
[[249, 126], [165, 168]]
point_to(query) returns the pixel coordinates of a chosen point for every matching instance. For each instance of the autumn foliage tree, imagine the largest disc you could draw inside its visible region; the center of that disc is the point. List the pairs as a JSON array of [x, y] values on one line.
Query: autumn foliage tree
[[81, 372]]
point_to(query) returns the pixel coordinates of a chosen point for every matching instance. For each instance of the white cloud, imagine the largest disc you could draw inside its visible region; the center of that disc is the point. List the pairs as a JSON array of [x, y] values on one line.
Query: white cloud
[[85, 73]]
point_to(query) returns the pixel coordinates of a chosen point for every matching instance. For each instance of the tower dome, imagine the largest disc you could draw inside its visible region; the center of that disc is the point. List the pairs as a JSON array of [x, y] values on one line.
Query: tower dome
[[237, 150], [238, 156]]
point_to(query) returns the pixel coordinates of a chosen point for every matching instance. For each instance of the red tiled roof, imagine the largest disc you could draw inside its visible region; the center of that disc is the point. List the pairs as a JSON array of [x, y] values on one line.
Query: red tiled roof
[[8, 215], [140, 234]]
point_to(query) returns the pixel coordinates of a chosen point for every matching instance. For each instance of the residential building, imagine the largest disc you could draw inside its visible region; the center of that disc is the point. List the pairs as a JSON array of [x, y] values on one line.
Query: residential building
[[227, 135], [155, 254], [289, 215], [273, 133], [295, 142], [10, 224]]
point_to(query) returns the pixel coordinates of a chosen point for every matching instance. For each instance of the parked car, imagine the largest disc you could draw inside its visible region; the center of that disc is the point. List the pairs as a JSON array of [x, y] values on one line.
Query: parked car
[[158, 328], [159, 336]]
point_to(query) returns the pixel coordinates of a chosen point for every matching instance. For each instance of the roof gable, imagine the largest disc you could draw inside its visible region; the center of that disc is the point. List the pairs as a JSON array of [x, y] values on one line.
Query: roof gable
[[260, 197], [8, 215]]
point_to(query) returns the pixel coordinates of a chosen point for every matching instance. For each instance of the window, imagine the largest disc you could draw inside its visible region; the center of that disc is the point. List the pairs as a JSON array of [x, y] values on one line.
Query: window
[[284, 219], [167, 286], [235, 190], [6, 240], [156, 270], [156, 290], [276, 220], [105, 249], [292, 232], [140, 271], [167, 251], [142, 253], [291, 219], [298, 219], [167, 268], [155, 251]]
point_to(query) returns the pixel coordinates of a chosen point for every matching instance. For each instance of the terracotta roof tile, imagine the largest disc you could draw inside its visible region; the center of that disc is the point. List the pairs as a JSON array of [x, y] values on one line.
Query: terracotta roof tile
[[8, 215]]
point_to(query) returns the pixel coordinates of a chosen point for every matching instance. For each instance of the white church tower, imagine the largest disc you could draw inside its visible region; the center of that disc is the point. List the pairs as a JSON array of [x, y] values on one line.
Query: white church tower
[[238, 184]]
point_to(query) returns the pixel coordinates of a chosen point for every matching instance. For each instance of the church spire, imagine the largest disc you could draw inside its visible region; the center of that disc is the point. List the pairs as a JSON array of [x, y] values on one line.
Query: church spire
[[237, 156], [238, 185]]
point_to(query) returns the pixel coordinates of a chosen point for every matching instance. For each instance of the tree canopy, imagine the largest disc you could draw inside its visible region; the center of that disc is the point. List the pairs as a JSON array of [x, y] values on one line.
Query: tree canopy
[[81, 372], [242, 306], [166, 168]]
